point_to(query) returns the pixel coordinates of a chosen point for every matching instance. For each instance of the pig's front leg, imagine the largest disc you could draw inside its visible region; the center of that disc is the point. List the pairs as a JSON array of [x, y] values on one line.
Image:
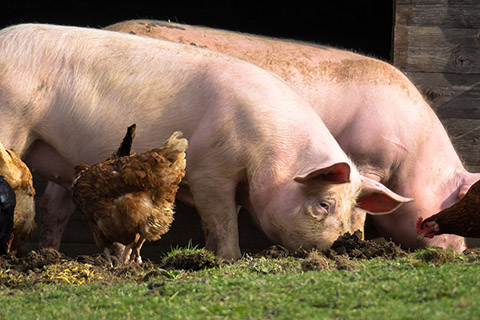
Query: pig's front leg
[[56, 207], [215, 202]]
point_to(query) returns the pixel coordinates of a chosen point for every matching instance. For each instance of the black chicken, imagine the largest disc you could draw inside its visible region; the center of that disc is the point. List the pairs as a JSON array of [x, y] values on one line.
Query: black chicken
[[7, 207]]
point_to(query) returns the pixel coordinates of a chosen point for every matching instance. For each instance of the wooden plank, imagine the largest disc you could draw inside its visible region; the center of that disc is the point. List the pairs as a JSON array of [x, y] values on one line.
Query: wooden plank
[[445, 15], [186, 226], [433, 49], [458, 94], [472, 169], [456, 100], [473, 242], [465, 137], [436, 2], [78, 238], [458, 84], [456, 109]]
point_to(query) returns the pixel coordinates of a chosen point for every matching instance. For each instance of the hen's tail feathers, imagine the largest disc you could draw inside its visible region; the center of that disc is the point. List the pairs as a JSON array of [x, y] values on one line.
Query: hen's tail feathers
[[174, 148], [157, 224], [10, 167], [125, 148], [15, 171]]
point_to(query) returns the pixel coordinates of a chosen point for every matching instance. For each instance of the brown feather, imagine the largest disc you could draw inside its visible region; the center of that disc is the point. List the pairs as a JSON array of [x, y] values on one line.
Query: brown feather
[[125, 148], [131, 199], [463, 217], [17, 174]]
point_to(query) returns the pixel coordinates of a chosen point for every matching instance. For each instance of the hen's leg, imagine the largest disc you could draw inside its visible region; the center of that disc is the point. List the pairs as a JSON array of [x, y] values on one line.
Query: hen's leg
[[136, 249], [106, 250]]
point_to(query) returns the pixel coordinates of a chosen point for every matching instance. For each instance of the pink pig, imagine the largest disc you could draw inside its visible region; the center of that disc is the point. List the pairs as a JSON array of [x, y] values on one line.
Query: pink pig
[[67, 94], [376, 114]]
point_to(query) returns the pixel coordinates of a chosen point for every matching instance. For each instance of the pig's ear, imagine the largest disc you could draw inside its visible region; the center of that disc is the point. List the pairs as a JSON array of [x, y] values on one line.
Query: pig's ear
[[377, 199], [337, 173]]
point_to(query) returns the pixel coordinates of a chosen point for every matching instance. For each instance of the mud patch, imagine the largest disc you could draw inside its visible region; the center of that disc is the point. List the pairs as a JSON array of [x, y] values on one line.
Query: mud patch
[[52, 267], [317, 261], [342, 255], [353, 246], [48, 266], [472, 255], [438, 256], [277, 252]]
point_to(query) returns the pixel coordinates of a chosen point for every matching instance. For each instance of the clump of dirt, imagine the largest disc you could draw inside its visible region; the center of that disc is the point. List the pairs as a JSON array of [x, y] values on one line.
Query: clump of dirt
[[341, 255], [274, 252], [51, 266], [96, 260], [317, 261], [277, 251], [31, 261], [353, 246], [192, 260], [343, 262], [437, 255], [472, 254]]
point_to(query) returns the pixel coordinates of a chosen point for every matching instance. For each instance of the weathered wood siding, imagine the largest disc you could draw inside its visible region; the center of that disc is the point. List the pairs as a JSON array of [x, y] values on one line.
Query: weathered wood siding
[[186, 229], [437, 44]]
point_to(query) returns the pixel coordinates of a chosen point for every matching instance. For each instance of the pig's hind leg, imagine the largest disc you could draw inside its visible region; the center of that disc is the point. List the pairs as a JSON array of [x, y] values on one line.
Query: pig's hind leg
[[56, 208]]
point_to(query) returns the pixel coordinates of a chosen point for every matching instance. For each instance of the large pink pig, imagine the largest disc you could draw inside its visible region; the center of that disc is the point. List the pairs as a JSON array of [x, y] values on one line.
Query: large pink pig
[[376, 114], [67, 94]]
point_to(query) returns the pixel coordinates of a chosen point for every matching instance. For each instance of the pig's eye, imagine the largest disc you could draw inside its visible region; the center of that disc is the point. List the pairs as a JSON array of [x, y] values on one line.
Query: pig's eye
[[325, 205], [320, 210]]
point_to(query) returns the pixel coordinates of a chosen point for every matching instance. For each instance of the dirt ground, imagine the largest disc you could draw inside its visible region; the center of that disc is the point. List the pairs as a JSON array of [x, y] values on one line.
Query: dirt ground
[[51, 266]]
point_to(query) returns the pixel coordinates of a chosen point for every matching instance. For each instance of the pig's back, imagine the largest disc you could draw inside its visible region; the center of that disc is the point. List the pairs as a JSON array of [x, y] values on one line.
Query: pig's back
[[102, 81]]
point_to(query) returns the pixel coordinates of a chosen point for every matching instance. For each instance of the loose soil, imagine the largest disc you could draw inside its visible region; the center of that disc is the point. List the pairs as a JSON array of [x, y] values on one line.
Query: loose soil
[[51, 266]]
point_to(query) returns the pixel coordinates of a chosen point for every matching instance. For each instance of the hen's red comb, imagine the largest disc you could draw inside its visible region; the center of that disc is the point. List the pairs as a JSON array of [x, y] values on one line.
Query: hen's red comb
[[419, 225]]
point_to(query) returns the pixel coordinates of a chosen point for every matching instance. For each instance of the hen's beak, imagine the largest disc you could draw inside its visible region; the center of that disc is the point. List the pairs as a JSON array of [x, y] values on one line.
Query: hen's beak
[[9, 242]]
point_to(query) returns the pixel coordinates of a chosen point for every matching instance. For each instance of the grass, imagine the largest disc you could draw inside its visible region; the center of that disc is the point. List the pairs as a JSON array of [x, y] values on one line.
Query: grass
[[412, 287]]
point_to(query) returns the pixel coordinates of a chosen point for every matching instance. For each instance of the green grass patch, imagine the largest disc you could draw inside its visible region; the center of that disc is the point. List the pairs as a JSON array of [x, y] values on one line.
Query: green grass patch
[[432, 283]]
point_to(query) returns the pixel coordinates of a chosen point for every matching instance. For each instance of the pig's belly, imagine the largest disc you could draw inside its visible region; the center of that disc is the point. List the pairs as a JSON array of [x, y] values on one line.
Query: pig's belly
[[44, 160]]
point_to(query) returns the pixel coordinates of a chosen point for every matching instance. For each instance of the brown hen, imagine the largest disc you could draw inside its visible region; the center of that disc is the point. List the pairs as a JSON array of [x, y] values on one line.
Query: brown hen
[[19, 177], [462, 218], [130, 199]]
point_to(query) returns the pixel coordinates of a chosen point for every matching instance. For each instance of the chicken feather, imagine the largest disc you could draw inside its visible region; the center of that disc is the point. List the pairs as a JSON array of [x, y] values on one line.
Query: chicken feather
[[462, 218], [19, 177], [130, 199]]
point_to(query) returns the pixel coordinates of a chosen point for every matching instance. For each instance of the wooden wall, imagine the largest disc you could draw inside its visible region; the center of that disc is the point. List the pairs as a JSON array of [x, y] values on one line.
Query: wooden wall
[[186, 229], [437, 44]]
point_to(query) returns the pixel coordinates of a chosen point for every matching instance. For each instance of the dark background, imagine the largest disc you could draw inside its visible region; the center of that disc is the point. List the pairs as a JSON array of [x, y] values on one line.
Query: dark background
[[362, 25]]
